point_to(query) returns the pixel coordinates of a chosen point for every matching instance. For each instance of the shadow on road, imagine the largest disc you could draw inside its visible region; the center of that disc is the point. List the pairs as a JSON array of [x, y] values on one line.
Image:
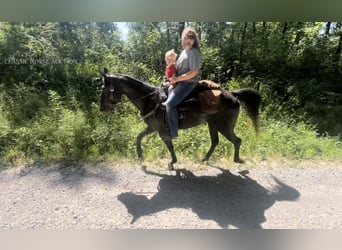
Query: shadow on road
[[226, 198], [69, 173]]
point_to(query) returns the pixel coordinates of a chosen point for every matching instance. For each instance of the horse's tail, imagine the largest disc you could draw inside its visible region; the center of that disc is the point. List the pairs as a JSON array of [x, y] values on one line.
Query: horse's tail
[[250, 100]]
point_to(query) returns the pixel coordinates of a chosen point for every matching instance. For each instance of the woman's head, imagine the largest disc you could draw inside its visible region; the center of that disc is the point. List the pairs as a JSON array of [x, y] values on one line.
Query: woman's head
[[190, 38]]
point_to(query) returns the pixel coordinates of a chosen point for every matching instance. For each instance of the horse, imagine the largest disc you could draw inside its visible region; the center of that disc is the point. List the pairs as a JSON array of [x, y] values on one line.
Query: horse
[[146, 98]]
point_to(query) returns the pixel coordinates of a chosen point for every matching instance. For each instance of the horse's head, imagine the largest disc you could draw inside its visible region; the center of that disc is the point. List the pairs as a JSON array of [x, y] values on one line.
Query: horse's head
[[111, 92]]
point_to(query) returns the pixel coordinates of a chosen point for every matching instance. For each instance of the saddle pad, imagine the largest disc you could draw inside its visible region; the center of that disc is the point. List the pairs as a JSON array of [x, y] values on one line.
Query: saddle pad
[[210, 101], [209, 84]]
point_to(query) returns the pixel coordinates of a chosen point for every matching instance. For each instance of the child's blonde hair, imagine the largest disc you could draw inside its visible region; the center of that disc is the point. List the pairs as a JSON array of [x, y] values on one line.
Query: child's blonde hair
[[171, 53]]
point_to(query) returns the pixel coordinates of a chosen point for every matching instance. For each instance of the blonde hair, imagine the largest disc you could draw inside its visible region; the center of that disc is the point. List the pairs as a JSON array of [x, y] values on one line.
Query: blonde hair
[[171, 53]]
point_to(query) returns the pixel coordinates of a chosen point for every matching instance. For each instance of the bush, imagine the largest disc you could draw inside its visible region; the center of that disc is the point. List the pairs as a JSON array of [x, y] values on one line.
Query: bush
[[60, 129]]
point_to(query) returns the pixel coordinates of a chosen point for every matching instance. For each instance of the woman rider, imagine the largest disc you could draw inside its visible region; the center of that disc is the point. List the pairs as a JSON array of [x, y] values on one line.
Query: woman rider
[[188, 68]]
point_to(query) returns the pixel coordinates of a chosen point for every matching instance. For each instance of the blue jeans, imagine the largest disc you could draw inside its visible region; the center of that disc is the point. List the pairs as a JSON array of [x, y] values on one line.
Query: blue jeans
[[177, 96]]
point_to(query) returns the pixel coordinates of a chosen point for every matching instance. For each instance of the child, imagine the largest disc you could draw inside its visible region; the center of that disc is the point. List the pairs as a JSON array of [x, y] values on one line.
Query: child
[[170, 70]]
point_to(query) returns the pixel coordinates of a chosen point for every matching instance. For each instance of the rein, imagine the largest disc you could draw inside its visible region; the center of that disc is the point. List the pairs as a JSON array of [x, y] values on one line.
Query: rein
[[153, 110], [147, 115], [140, 98]]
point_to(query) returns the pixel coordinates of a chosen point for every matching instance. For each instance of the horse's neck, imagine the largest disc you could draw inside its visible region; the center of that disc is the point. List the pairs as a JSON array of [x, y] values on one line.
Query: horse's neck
[[137, 92], [135, 89]]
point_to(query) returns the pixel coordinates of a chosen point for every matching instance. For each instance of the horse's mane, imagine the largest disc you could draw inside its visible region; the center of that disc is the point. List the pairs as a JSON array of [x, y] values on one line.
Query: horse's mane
[[132, 80]]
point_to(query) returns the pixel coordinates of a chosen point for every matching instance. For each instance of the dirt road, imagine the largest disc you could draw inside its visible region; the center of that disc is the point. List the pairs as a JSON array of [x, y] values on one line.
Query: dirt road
[[224, 195]]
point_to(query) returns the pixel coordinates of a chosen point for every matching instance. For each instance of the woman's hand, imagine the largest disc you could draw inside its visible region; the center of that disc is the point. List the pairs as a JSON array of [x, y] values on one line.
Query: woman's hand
[[173, 80], [184, 77]]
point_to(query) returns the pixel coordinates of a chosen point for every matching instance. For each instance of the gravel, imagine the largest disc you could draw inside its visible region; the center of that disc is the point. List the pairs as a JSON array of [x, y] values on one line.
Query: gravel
[[259, 194]]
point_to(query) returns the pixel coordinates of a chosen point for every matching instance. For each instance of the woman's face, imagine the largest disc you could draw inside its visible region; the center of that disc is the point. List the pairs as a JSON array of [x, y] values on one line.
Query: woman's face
[[188, 40]]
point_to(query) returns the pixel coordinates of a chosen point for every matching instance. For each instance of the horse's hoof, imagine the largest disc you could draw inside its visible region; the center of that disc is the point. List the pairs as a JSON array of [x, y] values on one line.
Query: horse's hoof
[[239, 161], [170, 165], [204, 159]]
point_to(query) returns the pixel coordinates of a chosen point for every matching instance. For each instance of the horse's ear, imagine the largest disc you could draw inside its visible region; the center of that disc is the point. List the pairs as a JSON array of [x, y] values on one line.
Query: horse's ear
[[105, 72]]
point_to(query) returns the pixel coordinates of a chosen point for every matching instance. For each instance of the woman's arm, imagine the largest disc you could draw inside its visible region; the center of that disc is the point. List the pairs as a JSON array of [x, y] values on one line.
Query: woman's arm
[[187, 76]]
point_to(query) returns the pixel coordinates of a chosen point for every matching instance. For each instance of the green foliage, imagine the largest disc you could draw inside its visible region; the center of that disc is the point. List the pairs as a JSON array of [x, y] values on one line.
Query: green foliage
[[22, 104], [283, 138], [5, 126], [295, 141], [49, 94]]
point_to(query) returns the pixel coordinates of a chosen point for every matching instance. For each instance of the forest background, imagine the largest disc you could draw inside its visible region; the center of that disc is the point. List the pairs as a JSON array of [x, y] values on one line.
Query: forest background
[[49, 93]]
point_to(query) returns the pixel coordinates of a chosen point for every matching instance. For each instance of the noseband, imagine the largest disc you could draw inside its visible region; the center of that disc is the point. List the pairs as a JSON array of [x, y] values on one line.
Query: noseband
[[111, 93]]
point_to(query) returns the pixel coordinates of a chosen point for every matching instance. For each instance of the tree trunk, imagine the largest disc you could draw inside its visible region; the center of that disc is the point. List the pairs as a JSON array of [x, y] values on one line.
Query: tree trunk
[[181, 27], [327, 29], [264, 28], [285, 26], [243, 40], [299, 33], [338, 51], [199, 31]]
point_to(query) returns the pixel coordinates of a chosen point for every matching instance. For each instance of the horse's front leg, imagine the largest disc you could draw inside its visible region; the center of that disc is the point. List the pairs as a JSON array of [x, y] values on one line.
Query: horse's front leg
[[142, 134], [172, 152]]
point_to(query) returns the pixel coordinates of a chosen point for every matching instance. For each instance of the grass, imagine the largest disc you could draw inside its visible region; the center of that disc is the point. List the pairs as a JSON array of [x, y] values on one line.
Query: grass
[[277, 139], [59, 133]]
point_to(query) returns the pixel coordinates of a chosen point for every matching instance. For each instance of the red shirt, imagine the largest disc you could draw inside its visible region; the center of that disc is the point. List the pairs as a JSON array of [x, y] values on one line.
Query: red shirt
[[170, 71]]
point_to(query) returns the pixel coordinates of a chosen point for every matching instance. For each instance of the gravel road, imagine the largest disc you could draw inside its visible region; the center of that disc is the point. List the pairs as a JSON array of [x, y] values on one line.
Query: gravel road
[[259, 194]]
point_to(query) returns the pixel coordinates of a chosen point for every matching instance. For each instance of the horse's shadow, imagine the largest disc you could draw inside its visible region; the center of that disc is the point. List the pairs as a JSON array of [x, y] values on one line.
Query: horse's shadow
[[226, 198]]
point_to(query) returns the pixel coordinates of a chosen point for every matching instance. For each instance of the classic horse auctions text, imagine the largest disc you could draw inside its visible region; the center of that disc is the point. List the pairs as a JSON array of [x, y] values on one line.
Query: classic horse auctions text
[[39, 61]]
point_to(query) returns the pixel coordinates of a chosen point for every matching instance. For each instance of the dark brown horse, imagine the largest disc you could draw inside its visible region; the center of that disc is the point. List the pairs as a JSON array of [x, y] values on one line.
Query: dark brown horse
[[146, 98]]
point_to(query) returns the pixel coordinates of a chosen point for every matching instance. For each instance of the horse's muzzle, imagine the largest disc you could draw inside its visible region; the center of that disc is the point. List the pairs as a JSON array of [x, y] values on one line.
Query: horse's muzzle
[[106, 108], [110, 107]]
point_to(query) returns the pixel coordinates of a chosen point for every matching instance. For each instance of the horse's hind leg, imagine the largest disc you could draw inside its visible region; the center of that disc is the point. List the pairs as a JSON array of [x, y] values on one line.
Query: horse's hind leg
[[142, 134], [230, 135], [214, 139], [237, 142], [227, 129]]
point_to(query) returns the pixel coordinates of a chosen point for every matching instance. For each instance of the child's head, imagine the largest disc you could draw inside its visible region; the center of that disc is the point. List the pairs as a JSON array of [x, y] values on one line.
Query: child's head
[[170, 57]]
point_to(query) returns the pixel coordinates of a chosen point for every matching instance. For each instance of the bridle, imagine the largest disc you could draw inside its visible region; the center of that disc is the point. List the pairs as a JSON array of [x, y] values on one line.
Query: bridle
[[111, 94], [111, 90]]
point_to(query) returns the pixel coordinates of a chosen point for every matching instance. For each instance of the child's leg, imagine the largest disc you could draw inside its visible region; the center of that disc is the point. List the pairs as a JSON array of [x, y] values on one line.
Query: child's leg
[[170, 89]]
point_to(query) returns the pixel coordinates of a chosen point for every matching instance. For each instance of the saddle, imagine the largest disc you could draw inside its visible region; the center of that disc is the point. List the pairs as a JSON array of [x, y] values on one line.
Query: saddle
[[207, 93], [210, 99]]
